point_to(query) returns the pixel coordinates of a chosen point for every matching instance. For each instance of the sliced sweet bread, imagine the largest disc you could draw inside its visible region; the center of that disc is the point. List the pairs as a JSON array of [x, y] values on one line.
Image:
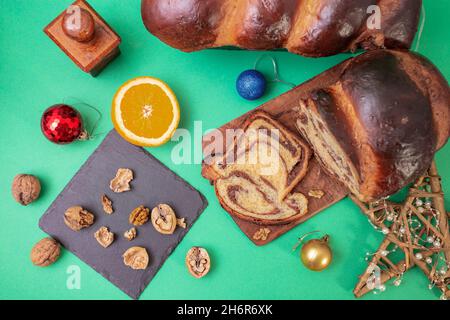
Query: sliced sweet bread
[[255, 177], [255, 199], [266, 148]]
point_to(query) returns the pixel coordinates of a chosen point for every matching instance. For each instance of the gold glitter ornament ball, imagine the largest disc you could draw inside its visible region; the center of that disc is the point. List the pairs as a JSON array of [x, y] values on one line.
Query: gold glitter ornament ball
[[316, 254]]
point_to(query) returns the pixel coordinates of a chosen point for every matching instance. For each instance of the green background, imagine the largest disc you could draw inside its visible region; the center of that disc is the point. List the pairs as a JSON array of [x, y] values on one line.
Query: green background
[[36, 74]]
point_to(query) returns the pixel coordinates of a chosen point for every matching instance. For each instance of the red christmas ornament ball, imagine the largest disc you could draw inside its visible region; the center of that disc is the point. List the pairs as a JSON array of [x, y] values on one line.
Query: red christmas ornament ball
[[61, 124]]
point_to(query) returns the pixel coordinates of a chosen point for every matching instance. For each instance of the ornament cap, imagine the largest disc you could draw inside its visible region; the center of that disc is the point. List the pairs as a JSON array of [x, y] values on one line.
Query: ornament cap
[[84, 135], [302, 238]]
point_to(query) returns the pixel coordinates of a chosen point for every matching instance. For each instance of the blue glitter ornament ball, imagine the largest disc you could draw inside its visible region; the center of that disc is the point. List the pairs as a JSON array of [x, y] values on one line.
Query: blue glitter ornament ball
[[251, 84]]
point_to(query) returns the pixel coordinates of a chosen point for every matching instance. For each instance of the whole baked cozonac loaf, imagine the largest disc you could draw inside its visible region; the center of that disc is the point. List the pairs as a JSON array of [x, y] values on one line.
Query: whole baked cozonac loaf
[[306, 27], [376, 121]]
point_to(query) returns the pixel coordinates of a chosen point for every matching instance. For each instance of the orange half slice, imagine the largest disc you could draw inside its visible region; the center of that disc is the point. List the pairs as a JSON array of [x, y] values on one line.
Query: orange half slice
[[145, 112]]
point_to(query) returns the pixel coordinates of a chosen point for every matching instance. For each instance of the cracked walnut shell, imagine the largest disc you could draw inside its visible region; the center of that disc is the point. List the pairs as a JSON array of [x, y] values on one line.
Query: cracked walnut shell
[[136, 258], [77, 218], [25, 188], [107, 204], [104, 237], [139, 216], [130, 234], [45, 252], [121, 182], [198, 262], [164, 219]]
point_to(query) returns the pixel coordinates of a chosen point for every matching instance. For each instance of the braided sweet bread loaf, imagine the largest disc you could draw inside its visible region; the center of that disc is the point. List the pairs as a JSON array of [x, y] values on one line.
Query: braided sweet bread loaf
[[376, 121], [306, 27]]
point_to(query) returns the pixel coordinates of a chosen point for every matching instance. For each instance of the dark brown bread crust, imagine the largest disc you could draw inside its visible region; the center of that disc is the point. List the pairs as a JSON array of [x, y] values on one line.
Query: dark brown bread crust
[[396, 116], [406, 17], [264, 24], [434, 86], [385, 118], [188, 25], [337, 24], [332, 27]]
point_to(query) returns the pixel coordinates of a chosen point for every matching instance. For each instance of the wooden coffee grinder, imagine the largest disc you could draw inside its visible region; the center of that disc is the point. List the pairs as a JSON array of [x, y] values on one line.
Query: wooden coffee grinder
[[85, 37]]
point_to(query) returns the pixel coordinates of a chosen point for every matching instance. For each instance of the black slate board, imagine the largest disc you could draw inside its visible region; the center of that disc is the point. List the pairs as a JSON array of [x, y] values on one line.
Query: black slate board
[[153, 184]]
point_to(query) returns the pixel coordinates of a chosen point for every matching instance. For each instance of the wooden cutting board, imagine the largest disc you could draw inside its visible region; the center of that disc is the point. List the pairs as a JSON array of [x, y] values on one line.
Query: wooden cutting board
[[283, 109]]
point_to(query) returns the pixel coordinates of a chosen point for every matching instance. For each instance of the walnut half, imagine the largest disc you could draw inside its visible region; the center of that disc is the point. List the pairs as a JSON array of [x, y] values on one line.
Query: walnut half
[[164, 219], [136, 258], [262, 234], [198, 262], [139, 216], [121, 182], [104, 237], [76, 218]]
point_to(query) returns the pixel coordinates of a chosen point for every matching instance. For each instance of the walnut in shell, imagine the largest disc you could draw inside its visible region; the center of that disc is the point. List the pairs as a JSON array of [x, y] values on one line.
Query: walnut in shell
[[77, 218], [164, 219], [139, 216], [104, 237], [107, 204], [198, 262], [25, 188], [45, 252], [130, 234], [136, 258], [121, 182]]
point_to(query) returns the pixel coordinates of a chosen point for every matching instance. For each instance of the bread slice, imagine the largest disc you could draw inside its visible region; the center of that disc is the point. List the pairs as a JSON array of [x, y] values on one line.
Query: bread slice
[[255, 177], [254, 199]]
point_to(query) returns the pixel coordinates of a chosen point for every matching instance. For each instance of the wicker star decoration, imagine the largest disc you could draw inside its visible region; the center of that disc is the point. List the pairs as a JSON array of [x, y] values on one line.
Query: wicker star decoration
[[416, 234]]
